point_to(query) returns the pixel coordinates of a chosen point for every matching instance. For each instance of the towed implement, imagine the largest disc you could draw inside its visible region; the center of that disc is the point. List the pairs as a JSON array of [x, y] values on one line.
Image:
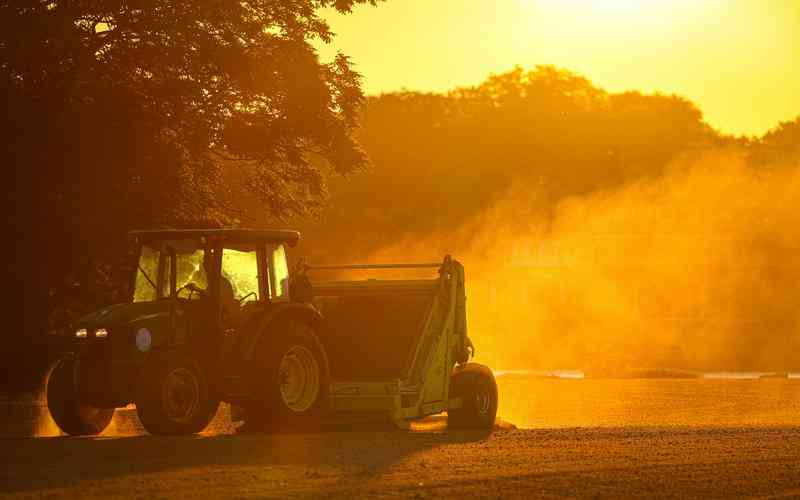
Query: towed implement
[[215, 316]]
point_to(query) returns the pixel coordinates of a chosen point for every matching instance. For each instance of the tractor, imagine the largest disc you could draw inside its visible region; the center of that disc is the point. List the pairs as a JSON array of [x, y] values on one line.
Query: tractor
[[215, 315]]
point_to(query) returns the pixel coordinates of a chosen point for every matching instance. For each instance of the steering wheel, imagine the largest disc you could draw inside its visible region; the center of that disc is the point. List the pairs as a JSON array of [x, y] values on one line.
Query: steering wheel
[[253, 294], [192, 288]]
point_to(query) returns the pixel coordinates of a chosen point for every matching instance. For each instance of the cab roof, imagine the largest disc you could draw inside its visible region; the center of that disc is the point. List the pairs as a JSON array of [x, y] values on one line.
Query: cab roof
[[228, 235]]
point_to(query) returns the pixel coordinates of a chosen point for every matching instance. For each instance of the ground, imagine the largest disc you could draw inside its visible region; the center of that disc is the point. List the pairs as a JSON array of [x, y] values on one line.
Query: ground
[[610, 462], [687, 439]]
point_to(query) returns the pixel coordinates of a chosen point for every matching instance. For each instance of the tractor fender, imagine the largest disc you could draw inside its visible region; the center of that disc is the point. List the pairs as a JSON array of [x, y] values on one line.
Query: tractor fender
[[295, 311]]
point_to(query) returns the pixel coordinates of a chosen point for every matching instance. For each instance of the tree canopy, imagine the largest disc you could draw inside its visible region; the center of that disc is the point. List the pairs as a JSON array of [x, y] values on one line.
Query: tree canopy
[[158, 92]]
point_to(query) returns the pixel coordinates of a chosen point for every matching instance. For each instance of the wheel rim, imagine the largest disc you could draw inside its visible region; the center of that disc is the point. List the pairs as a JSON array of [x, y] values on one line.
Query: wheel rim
[[483, 400], [299, 378], [181, 395]]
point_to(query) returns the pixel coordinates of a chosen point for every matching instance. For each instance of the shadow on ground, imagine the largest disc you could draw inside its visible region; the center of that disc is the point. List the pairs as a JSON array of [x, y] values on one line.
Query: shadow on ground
[[49, 463]]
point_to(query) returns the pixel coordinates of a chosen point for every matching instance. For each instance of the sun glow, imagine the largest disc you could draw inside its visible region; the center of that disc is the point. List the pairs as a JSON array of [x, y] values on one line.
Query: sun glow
[[736, 59], [591, 17]]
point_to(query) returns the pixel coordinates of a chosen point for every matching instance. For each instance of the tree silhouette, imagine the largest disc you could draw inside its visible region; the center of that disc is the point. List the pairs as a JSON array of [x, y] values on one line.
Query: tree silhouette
[[781, 145]]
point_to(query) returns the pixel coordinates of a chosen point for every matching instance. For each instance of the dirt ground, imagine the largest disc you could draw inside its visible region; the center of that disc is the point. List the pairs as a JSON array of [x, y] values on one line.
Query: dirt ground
[[606, 462], [720, 445]]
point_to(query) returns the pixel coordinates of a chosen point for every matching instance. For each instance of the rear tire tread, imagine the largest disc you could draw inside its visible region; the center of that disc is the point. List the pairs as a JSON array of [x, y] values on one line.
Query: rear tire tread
[[466, 382]]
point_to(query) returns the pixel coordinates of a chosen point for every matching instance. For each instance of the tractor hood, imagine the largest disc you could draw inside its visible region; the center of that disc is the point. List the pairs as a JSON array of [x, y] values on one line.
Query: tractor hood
[[125, 314]]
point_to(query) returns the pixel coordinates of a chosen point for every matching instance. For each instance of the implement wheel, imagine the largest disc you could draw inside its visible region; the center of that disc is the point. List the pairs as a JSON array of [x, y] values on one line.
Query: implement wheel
[[477, 388], [174, 397], [72, 416], [289, 381]]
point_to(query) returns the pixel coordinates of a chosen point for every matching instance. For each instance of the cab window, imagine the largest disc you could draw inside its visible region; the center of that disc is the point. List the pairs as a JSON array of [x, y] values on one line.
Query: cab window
[[145, 288], [153, 272], [189, 269], [240, 269], [280, 273]]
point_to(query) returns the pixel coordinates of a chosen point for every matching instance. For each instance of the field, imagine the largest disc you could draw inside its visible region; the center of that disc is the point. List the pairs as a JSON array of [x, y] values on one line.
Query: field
[[587, 438]]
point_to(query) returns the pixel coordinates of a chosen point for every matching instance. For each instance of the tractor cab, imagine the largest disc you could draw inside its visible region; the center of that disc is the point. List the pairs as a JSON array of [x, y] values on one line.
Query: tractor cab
[[220, 277]]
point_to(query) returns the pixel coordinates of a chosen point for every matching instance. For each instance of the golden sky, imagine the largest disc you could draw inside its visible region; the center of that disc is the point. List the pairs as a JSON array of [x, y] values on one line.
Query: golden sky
[[739, 60]]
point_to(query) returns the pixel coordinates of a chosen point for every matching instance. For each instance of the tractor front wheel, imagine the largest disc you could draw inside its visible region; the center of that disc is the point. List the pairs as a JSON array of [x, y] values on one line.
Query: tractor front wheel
[[174, 396], [73, 416], [477, 388]]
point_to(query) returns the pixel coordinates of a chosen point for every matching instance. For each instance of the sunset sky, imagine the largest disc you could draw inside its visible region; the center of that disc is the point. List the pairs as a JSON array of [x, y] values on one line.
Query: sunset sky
[[739, 60]]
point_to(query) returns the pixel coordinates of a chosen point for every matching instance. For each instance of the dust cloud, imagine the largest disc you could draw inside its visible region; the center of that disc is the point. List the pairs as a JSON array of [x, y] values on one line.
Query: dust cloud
[[696, 269], [44, 425]]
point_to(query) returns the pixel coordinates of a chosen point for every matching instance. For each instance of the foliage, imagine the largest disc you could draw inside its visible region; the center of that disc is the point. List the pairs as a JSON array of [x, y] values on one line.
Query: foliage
[[780, 146]]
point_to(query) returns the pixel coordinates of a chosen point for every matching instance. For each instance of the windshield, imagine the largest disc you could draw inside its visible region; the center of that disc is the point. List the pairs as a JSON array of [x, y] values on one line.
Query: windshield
[[152, 274]]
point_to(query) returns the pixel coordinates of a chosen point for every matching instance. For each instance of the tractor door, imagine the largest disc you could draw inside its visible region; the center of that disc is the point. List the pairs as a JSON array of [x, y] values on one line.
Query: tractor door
[[241, 285]]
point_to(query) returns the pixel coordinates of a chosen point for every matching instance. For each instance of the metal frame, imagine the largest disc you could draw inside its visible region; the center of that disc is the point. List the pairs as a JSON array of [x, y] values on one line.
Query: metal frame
[[424, 387], [376, 266]]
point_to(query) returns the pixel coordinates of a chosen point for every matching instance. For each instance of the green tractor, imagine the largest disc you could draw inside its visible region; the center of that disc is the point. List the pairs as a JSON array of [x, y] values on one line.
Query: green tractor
[[214, 316]]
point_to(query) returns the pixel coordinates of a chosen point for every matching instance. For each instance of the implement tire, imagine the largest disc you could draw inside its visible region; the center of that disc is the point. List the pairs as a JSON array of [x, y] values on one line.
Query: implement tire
[[477, 388], [289, 381], [174, 397], [73, 416]]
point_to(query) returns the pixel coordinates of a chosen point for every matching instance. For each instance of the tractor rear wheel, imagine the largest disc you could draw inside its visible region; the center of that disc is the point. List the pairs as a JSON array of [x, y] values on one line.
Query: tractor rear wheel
[[477, 388], [174, 396], [73, 416], [289, 381]]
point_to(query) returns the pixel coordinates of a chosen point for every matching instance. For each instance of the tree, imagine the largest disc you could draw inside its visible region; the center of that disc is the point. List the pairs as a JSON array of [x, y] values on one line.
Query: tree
[[779, 146], [129, 113]]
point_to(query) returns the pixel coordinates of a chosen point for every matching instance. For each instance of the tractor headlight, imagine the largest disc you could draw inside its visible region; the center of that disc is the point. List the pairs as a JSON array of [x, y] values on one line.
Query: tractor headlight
[[143, 339], [81, 334], [101, 333]]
